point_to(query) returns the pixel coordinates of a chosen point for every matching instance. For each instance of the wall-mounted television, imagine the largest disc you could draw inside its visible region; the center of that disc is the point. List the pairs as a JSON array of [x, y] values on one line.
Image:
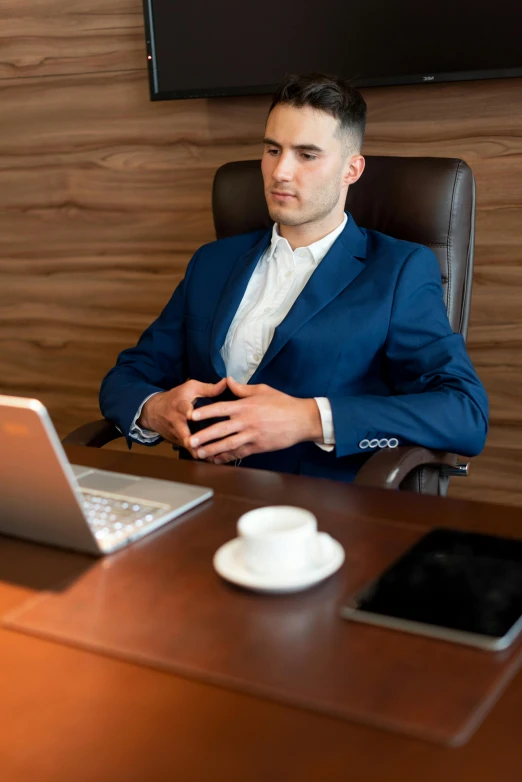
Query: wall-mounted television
[[204, 48]]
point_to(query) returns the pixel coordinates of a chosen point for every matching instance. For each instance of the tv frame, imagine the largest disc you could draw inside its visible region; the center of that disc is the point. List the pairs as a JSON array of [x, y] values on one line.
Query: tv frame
[[267, 89]]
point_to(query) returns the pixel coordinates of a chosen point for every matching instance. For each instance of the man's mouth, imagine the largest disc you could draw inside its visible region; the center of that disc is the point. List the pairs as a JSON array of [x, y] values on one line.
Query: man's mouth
[[282, 196]]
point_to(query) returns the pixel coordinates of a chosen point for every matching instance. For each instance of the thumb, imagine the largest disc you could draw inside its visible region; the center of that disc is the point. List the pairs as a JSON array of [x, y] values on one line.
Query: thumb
[[240, 389], [213, 389]]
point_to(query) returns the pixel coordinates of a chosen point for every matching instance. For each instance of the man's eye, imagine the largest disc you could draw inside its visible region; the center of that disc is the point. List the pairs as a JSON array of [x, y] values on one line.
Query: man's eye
[[273, 151], [307, 156]]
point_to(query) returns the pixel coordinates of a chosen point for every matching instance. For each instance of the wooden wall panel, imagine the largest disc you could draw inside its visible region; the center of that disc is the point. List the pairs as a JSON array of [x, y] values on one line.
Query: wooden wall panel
[[47, 37], [104, 196], [89, 165]]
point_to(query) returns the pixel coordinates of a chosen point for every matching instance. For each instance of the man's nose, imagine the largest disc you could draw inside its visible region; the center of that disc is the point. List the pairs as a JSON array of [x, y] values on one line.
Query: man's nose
[[284, 171]]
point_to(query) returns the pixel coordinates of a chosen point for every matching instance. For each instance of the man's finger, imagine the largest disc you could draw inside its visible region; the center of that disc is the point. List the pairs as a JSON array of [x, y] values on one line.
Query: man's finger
[[177, 432], [182, 433], [209, 389], [216, 388], [241, 389], [217, 410], [215, 432], [233, 456], [231, 443], [223, 458], [185, 408]]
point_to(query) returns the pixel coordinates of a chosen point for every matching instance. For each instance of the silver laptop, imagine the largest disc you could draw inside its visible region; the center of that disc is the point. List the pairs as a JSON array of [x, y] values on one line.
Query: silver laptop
[[45, 499]]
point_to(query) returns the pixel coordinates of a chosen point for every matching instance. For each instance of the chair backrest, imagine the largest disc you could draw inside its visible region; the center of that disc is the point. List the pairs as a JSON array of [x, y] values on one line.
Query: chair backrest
[[421, 199]]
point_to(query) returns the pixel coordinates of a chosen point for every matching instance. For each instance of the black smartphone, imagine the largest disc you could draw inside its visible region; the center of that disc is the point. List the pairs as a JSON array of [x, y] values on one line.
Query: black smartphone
[[458, 586]]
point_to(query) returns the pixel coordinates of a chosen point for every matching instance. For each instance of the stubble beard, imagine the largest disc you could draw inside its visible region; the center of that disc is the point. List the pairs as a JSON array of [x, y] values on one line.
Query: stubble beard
[[316, 210]]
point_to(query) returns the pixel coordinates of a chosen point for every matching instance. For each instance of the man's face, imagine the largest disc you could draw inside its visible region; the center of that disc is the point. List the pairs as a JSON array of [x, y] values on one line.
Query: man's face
[[304, 165]]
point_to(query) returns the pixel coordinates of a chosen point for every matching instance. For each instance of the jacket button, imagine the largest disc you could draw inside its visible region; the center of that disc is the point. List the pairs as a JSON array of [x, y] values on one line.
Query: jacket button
[[383, 443], [393, 442], [374, 443], [364, 444]]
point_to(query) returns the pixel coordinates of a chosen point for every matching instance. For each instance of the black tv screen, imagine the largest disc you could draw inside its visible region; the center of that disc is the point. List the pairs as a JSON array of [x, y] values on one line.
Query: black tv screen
[[203, 48]]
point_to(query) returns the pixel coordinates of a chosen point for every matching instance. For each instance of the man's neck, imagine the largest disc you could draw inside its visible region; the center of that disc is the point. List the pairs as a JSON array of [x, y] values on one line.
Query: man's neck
[[306, 234]]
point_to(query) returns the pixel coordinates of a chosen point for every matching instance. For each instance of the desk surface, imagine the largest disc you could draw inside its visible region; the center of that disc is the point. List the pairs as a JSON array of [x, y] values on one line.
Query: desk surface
[[69, 714]]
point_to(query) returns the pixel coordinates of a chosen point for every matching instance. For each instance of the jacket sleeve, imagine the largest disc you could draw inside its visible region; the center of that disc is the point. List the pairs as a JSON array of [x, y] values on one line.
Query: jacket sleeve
[[156, 363], [436, 399]]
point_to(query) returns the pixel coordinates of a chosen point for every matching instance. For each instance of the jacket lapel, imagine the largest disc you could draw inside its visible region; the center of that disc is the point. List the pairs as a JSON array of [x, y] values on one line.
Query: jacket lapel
[[231, 299], [339, 267]]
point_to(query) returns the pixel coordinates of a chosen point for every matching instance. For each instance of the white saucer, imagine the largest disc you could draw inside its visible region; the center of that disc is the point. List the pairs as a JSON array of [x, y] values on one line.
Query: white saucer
[[228, 562]]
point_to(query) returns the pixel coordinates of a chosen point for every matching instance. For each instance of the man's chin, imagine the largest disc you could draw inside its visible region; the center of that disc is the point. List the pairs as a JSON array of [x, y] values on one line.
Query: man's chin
[[280, 214]]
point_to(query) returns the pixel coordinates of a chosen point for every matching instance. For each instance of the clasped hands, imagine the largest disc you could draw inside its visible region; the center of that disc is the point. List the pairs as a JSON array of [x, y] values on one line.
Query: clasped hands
[[260, 419]]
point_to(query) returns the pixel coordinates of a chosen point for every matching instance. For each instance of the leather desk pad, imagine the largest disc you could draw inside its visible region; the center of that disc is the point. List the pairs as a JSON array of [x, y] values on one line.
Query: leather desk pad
[[160, 603]]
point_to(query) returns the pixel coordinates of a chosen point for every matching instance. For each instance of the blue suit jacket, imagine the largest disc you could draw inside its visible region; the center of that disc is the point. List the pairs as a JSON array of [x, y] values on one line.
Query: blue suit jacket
[[369, 331]]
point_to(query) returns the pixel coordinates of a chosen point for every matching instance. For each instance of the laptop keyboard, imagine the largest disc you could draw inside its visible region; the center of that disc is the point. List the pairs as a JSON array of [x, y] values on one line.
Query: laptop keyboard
[[113, 517]]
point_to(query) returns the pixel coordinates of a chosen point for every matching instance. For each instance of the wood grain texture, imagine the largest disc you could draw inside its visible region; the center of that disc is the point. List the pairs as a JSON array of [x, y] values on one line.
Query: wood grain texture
[[293, 649], [104, 196], [89, 166], [49, 37], [174, 728]]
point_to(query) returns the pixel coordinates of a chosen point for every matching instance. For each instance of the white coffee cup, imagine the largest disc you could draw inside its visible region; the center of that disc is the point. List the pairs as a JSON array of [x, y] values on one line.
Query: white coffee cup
[[278, 539]]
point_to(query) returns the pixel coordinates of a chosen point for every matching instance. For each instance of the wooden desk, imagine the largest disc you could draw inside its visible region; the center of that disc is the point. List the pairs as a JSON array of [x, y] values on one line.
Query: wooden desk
[[67, 714]]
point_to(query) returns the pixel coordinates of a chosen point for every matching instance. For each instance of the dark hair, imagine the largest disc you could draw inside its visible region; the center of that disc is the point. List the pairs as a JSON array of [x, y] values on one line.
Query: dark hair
[[326, 93]]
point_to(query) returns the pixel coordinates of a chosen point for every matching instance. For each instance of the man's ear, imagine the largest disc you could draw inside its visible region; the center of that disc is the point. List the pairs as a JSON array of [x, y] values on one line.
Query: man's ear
[[353, 170]]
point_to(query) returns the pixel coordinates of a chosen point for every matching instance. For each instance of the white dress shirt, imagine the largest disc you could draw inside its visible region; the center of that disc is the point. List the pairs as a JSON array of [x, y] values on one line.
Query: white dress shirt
[[279, 277]]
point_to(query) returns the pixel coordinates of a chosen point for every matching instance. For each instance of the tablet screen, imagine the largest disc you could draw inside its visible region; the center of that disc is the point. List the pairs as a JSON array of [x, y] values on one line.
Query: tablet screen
[[459, 580]]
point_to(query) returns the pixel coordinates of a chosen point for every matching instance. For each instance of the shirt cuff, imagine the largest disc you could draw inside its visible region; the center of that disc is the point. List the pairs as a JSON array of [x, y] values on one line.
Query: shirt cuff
[[325, 411], [137, 432]]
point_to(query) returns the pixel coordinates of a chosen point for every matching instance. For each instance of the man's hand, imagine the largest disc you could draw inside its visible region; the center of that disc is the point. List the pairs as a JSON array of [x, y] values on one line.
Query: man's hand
[[261, 420], [167, 412]]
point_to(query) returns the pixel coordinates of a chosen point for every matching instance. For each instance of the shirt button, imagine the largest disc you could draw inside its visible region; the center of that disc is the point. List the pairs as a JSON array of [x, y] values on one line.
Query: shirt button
[[288, 274], [267, 309], [256, 356]]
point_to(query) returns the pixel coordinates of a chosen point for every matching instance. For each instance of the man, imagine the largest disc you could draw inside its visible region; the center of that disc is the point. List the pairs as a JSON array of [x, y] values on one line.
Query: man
[[333, 341]]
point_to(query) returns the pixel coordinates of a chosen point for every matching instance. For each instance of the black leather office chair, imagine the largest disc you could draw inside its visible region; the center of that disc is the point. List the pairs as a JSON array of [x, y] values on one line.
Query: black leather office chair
[[426, 200]]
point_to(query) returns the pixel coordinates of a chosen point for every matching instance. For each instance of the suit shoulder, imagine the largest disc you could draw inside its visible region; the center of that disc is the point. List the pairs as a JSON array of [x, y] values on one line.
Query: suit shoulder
[[380, 245], [401, 262], [236, 244]]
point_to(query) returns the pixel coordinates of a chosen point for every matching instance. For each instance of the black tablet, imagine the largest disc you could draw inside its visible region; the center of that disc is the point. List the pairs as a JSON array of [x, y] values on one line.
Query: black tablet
[[459, 586]]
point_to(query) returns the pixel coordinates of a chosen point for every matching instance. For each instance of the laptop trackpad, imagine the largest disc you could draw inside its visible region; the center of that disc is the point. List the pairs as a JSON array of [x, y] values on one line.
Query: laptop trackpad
[[106, 481]]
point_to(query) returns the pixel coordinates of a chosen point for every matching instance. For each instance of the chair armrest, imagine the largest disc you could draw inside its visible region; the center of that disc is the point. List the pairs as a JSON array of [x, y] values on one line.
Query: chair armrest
[[388, 468], [95, 434]]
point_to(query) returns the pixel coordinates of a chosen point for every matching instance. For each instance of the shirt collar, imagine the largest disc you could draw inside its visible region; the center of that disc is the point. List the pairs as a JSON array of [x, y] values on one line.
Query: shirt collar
[[318, 249]]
